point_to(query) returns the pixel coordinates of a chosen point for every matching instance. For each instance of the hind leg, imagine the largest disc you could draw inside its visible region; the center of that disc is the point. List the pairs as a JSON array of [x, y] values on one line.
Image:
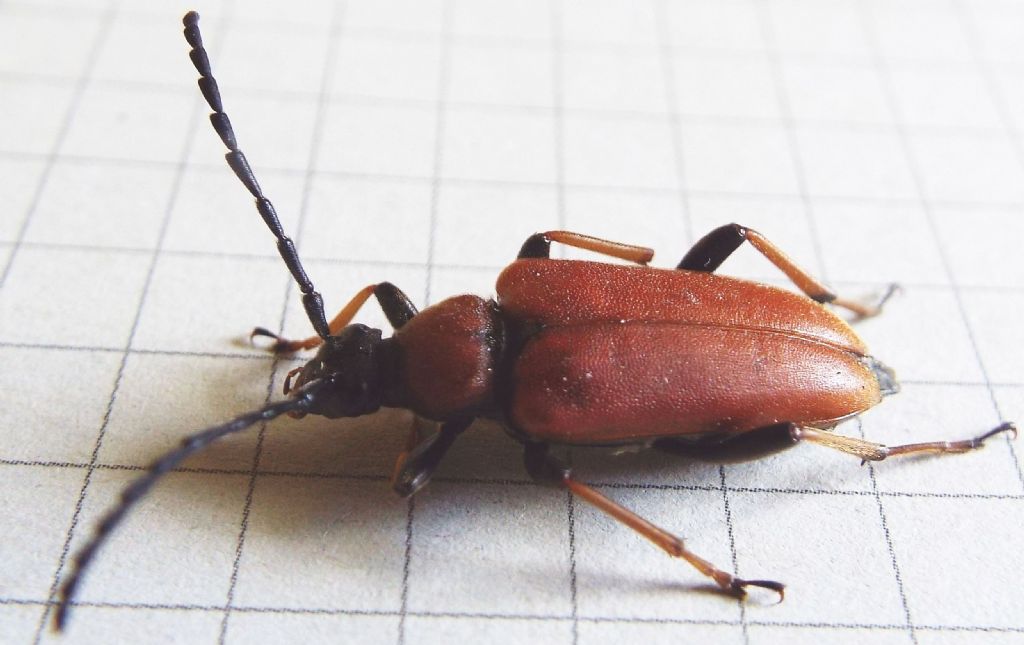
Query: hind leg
[[711, 250], [747, 446], [771, 439]]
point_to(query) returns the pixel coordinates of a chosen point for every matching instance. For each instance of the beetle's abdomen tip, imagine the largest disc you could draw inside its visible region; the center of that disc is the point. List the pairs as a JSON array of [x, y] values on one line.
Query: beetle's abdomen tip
[[887, 382]]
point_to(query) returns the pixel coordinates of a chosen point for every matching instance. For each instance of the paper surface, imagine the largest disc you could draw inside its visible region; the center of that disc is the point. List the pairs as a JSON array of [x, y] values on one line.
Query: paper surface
[[421, 143]]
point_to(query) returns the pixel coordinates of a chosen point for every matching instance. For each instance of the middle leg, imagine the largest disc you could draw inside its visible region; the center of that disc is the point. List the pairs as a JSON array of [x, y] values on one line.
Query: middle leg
[[416, 465], [545, 469], [538, 245]]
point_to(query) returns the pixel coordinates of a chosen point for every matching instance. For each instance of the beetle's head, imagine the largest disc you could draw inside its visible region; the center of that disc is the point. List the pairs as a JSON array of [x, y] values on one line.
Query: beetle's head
[[350, 365]]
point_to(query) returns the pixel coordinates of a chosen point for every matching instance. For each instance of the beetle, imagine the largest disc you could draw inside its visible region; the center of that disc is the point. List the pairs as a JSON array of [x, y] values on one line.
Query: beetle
[[575, 353]]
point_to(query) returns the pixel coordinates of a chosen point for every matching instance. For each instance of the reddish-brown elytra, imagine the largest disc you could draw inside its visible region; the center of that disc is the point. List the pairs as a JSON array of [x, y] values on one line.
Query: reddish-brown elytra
[[578, 353]]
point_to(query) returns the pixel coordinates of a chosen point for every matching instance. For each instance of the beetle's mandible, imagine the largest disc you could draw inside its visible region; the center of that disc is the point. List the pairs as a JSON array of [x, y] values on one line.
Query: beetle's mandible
[[576, 353]]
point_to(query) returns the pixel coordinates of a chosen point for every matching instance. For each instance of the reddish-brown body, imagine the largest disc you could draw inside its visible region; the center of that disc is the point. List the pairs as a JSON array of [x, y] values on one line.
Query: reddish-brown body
[[579, 353], [607, 383], [630, 353], [567, 292], [595, 353], [446, 357]]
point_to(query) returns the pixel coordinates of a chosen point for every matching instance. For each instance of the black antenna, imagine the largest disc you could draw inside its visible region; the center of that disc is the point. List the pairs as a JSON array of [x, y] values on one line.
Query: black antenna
[[190, 445], [311, 300]]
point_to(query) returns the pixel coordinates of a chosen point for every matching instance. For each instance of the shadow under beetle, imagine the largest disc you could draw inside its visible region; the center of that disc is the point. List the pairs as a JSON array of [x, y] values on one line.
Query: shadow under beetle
[[580, 354]]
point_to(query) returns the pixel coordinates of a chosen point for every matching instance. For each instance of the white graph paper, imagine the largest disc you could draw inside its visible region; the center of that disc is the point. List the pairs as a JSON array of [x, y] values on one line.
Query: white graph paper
[[421, 143]]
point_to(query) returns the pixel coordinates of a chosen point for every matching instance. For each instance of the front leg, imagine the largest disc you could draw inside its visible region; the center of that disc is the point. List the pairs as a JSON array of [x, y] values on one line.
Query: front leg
[[416, 466], [395, 304]]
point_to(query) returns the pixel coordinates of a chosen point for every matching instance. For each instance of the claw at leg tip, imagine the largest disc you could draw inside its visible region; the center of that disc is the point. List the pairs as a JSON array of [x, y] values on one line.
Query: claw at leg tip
[[60, 618], [1010, 427], [739, 587], [279, 346], [261, 331]]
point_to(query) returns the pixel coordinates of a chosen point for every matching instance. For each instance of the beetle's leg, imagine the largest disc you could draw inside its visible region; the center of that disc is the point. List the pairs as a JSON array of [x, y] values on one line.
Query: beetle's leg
[[538, 245], [711, 250], [413, 472], [545, 469], [869, 451], [419, 428], [396, 305], [733, 447]]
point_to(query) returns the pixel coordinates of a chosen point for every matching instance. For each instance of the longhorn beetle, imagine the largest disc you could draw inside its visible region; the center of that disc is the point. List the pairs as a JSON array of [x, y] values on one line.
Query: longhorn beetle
[[580, 354]]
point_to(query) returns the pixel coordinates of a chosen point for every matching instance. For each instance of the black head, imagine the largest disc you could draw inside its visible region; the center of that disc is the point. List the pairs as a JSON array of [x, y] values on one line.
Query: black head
[[350, 366]]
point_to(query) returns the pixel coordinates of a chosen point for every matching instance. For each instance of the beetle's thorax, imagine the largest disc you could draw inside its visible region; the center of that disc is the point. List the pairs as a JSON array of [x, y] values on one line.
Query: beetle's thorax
[[444, 362]]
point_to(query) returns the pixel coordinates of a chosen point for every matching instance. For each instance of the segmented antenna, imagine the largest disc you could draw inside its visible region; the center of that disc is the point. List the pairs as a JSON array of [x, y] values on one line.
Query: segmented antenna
[[311, 300], [190, 445]]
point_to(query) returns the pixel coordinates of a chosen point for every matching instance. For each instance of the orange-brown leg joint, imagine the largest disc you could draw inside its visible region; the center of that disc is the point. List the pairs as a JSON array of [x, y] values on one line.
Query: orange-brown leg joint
[[803, 280], [807, 283], [628, 252], [343, 318], [668, 542], [417, 429], [869, 451]]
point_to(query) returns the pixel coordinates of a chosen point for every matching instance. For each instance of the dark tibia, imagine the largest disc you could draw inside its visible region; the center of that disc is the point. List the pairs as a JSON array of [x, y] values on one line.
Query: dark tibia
[[538, 245], [395, 304], [732, 448], [416, 470], [712, 249]]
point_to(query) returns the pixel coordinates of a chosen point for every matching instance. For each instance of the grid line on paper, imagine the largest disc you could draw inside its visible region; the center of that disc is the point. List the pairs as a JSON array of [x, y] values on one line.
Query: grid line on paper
[[772, 55], [927, 207], [970, 30], [66, 12], [440, 122], [80, 85], [672, 100], [661, 42], [515, 182], [558, 113], [384, 264], [495, 40], [333, 38], [734, 558], [979, 132], [907, 617], [403, 610], [473, 481], [524, 617], [108, 20]]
